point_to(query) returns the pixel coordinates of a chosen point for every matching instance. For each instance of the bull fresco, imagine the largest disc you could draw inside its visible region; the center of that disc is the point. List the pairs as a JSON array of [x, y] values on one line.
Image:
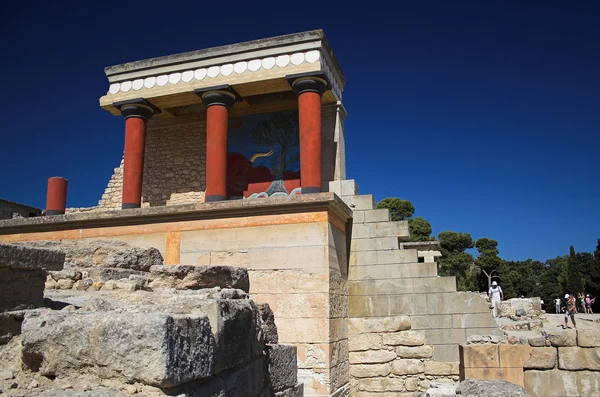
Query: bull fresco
[[263, 158]]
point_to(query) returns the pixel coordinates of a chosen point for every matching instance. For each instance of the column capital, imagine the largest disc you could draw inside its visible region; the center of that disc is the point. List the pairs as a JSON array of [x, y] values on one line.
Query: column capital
[[308, 82], [222, 95], [138, 107]]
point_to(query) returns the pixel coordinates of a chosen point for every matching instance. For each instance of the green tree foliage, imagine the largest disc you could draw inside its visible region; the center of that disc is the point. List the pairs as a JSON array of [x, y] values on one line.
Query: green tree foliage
[[490, 264], [575, 280], [455, 261], [400, 210], [420, 229]]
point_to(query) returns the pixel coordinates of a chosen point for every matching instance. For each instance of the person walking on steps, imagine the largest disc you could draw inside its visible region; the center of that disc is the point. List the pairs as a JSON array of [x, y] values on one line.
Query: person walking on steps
[[496, 296], [570, 312]]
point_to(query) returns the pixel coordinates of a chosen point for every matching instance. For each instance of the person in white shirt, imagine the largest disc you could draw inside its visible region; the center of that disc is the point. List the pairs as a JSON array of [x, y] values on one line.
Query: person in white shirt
[[496, 296], [557, 305]]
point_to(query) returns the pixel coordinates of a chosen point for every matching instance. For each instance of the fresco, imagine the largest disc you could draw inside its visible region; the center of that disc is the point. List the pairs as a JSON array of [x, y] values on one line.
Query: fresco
[[263, 158]]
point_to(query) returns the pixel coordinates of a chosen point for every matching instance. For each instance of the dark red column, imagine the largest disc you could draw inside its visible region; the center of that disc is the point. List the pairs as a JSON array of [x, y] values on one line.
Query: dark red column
[[56, 198], [309, 91], [136, 116], [217, 126]]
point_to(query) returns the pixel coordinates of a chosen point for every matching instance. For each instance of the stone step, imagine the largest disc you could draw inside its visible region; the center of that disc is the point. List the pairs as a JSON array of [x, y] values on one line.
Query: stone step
[[360, 202], [368, 216], [383, 257], [343, 188], [381, 229], [399, 286], [374, 244], [418, 304], [397, 270]]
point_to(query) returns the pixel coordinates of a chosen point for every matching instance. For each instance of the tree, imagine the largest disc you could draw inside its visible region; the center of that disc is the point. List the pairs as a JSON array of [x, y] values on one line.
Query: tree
[[420, 229], [574, 280], [488, 262], [455, 261], [400, 210]]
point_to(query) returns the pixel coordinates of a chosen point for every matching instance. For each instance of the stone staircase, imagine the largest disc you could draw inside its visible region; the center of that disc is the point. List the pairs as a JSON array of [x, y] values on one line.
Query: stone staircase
[[390, 277]]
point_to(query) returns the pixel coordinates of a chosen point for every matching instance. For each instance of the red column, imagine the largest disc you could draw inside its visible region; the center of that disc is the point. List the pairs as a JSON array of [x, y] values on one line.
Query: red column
[[136, 116], [56, 198], [309, 91], [217, 125]]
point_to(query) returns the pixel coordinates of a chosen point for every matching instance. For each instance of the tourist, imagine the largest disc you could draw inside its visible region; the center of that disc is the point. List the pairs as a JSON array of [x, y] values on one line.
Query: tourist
[[588, 304], [557, 305], [570, 312], [496, 296], [581, 298]]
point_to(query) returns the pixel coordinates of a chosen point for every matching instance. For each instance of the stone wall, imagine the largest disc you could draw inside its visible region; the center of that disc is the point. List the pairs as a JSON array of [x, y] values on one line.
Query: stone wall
[[174, 166], [386, 356], [558, 363], [10, 210]]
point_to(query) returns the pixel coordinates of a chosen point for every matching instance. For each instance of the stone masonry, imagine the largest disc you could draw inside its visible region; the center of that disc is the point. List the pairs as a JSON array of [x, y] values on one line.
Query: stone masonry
[[174, 168], [386, 278]]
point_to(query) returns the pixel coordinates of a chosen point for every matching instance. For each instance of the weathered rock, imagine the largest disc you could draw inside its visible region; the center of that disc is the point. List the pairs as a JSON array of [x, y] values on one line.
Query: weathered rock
[[68, 272], [438, 368], [362, 342], [296, 391], [102, 253], [372, 357], [383, 324], [555, 383], [539, 341], [408, 367], [520, 312], [370, 370], [152, 348], [414, 352], [541, 358], [579, 358], [474, 339], [404, 338], [268, 327], [562, 338], [281, 366], [108, 273], [490, 388], [98, 392], [197, 277], [588, 338], [14, 256]]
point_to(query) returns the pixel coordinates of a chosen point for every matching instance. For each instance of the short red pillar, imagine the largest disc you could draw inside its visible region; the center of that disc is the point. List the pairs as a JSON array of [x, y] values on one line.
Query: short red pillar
[[56, 197], [217, 125], [136, 115], [309, 91]]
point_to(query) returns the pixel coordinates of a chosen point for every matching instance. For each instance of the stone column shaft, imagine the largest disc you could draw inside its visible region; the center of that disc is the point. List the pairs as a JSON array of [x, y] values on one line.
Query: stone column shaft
[[56, 198]]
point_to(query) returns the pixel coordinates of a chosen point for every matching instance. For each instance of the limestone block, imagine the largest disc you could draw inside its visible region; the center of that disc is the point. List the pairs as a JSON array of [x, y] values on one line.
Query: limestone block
[[382, 385], [303, 330], [414, 352], [370, 370], [404, 338], [437, 368], [579, 358], [196, 277], [384, 324], [372, 357], [446, 353], [381, 287], [392, 229], [298, 281], [361, 342], [15, 256], [412, 383], [281, 366], [381, 305], [562, 338], [539, 341], [541, 358], [555, 383], [432, 321], [588, 338], [512, 375], [368, 216], [339, 375], [374, 244], [490, 388], [513, 356], [475, 320], [434, 284], [445, 336], [456, 303], [152, 348], [408, 367], [307, 305], [479, 356], [348, 187], [360, 202]]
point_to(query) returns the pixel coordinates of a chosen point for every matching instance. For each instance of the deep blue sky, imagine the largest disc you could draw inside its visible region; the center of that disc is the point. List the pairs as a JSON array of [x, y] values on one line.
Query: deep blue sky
[[484, 114]]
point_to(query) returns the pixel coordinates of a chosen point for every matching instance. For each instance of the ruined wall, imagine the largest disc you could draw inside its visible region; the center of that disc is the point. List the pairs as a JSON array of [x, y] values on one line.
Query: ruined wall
[[558, 363], [10, 210], [174, 166], [386, 356]]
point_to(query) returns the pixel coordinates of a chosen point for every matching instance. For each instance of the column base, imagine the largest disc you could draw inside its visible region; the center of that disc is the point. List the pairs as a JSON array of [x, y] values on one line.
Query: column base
[[55, 212], [311, 189], [214, 197], [127, 206]]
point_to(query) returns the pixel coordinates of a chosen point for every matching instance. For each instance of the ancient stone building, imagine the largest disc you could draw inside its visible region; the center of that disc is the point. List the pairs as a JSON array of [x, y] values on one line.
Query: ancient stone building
[[235, 155], [10, 210]]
